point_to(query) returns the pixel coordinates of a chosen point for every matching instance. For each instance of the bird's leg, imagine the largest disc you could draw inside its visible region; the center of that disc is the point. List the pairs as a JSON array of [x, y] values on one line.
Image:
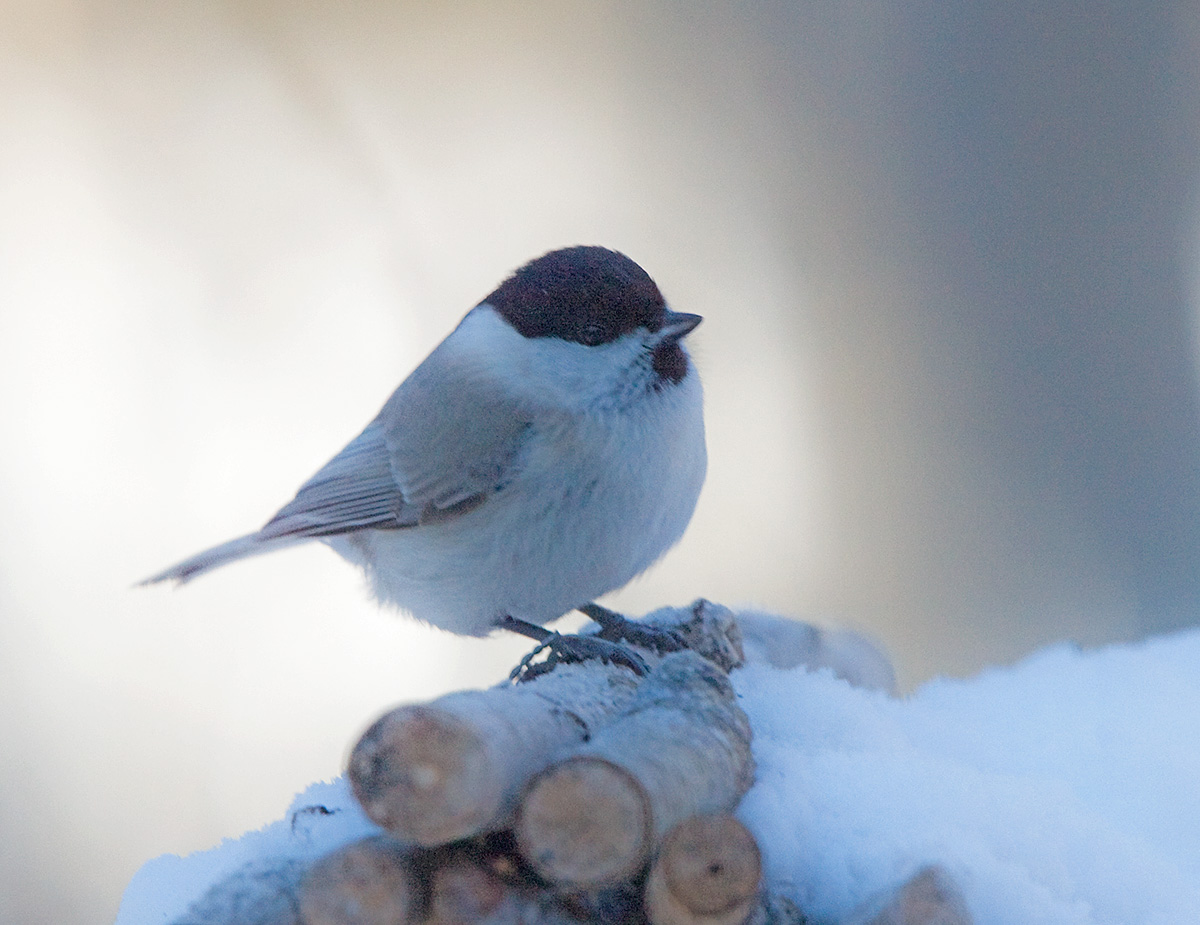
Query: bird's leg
[[563, 649], [525, 628], [617, 628]]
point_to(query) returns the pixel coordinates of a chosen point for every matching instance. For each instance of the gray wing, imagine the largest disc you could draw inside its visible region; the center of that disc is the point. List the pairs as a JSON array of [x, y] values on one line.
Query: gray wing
[[453, 437], [441, 446], [355, 489], [443, 443]]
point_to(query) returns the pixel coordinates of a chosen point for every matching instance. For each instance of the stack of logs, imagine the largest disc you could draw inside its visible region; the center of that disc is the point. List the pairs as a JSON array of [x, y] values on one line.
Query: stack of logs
[[583, 794], [586, 794]]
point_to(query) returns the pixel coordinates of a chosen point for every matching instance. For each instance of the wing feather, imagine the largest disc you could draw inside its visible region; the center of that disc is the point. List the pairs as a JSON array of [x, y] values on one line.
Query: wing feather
[[354, 490], [445, 441], [454, 435]]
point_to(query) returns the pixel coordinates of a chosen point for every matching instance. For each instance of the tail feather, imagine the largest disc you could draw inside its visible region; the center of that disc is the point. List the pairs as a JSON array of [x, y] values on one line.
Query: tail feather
[[253, 544]]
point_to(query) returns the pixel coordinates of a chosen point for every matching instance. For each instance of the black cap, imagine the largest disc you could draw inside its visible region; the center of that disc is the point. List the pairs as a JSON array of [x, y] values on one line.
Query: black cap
[[590, 295]]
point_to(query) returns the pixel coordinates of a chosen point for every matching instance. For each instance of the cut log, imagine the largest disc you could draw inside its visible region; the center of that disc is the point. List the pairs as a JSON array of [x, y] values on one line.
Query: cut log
[[930, 897], [434, 773], [453, 768], [709, 629], [680, 748], [706, 872], [467, 888], [783, 643], [586, 822], [368, 882], [464, 892]]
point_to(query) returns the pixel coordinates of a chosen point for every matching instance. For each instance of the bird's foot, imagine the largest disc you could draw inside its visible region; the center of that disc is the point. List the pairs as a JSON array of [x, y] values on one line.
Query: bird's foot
[[616, 628], [561, 650]]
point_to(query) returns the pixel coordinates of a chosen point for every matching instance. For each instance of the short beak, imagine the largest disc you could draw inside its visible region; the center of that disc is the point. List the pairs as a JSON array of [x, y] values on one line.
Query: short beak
[[677, 325]]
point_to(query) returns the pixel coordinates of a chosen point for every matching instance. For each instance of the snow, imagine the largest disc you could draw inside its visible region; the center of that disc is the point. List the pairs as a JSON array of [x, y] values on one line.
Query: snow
[[1064, 790], [322, 818]]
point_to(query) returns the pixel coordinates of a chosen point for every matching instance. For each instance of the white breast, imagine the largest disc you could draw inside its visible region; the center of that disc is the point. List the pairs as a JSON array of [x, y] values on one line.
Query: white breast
[[597, 498]]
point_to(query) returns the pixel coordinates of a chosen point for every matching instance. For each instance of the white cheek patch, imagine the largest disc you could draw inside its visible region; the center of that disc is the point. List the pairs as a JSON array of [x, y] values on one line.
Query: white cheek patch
[[548, 371], [584, 378]]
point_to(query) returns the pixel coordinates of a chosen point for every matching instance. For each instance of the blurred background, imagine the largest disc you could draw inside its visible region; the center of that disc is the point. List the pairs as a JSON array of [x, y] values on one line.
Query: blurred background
[[946, 254]]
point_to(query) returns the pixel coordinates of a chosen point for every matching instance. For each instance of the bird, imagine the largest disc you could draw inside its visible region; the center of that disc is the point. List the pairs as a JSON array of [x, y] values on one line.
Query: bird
[[547, 452]]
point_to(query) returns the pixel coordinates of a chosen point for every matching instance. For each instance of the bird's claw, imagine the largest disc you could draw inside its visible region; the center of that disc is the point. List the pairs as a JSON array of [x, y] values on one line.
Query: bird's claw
[[617, 628], [574, 648]]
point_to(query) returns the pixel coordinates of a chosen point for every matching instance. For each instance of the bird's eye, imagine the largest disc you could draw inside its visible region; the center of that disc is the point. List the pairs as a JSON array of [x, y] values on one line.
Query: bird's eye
[[593, 333]]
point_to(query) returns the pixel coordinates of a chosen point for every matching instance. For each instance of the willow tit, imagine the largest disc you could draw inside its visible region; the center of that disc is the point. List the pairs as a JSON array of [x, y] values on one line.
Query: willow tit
[[546, 452]]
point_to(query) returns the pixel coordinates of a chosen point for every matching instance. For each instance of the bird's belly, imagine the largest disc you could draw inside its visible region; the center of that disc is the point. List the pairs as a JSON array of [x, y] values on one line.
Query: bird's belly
[[538, 548]]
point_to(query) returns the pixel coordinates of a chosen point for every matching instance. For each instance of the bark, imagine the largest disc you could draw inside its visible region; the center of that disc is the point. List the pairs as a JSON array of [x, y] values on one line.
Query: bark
[[680, 748], [437, 772], [452, 768]]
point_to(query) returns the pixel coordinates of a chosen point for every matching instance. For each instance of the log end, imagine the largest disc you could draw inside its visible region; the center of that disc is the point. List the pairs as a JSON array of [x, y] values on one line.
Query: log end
[[422, 774], [585, 823], [369, 882], [462, 893], [930, 897], [707, 871]]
